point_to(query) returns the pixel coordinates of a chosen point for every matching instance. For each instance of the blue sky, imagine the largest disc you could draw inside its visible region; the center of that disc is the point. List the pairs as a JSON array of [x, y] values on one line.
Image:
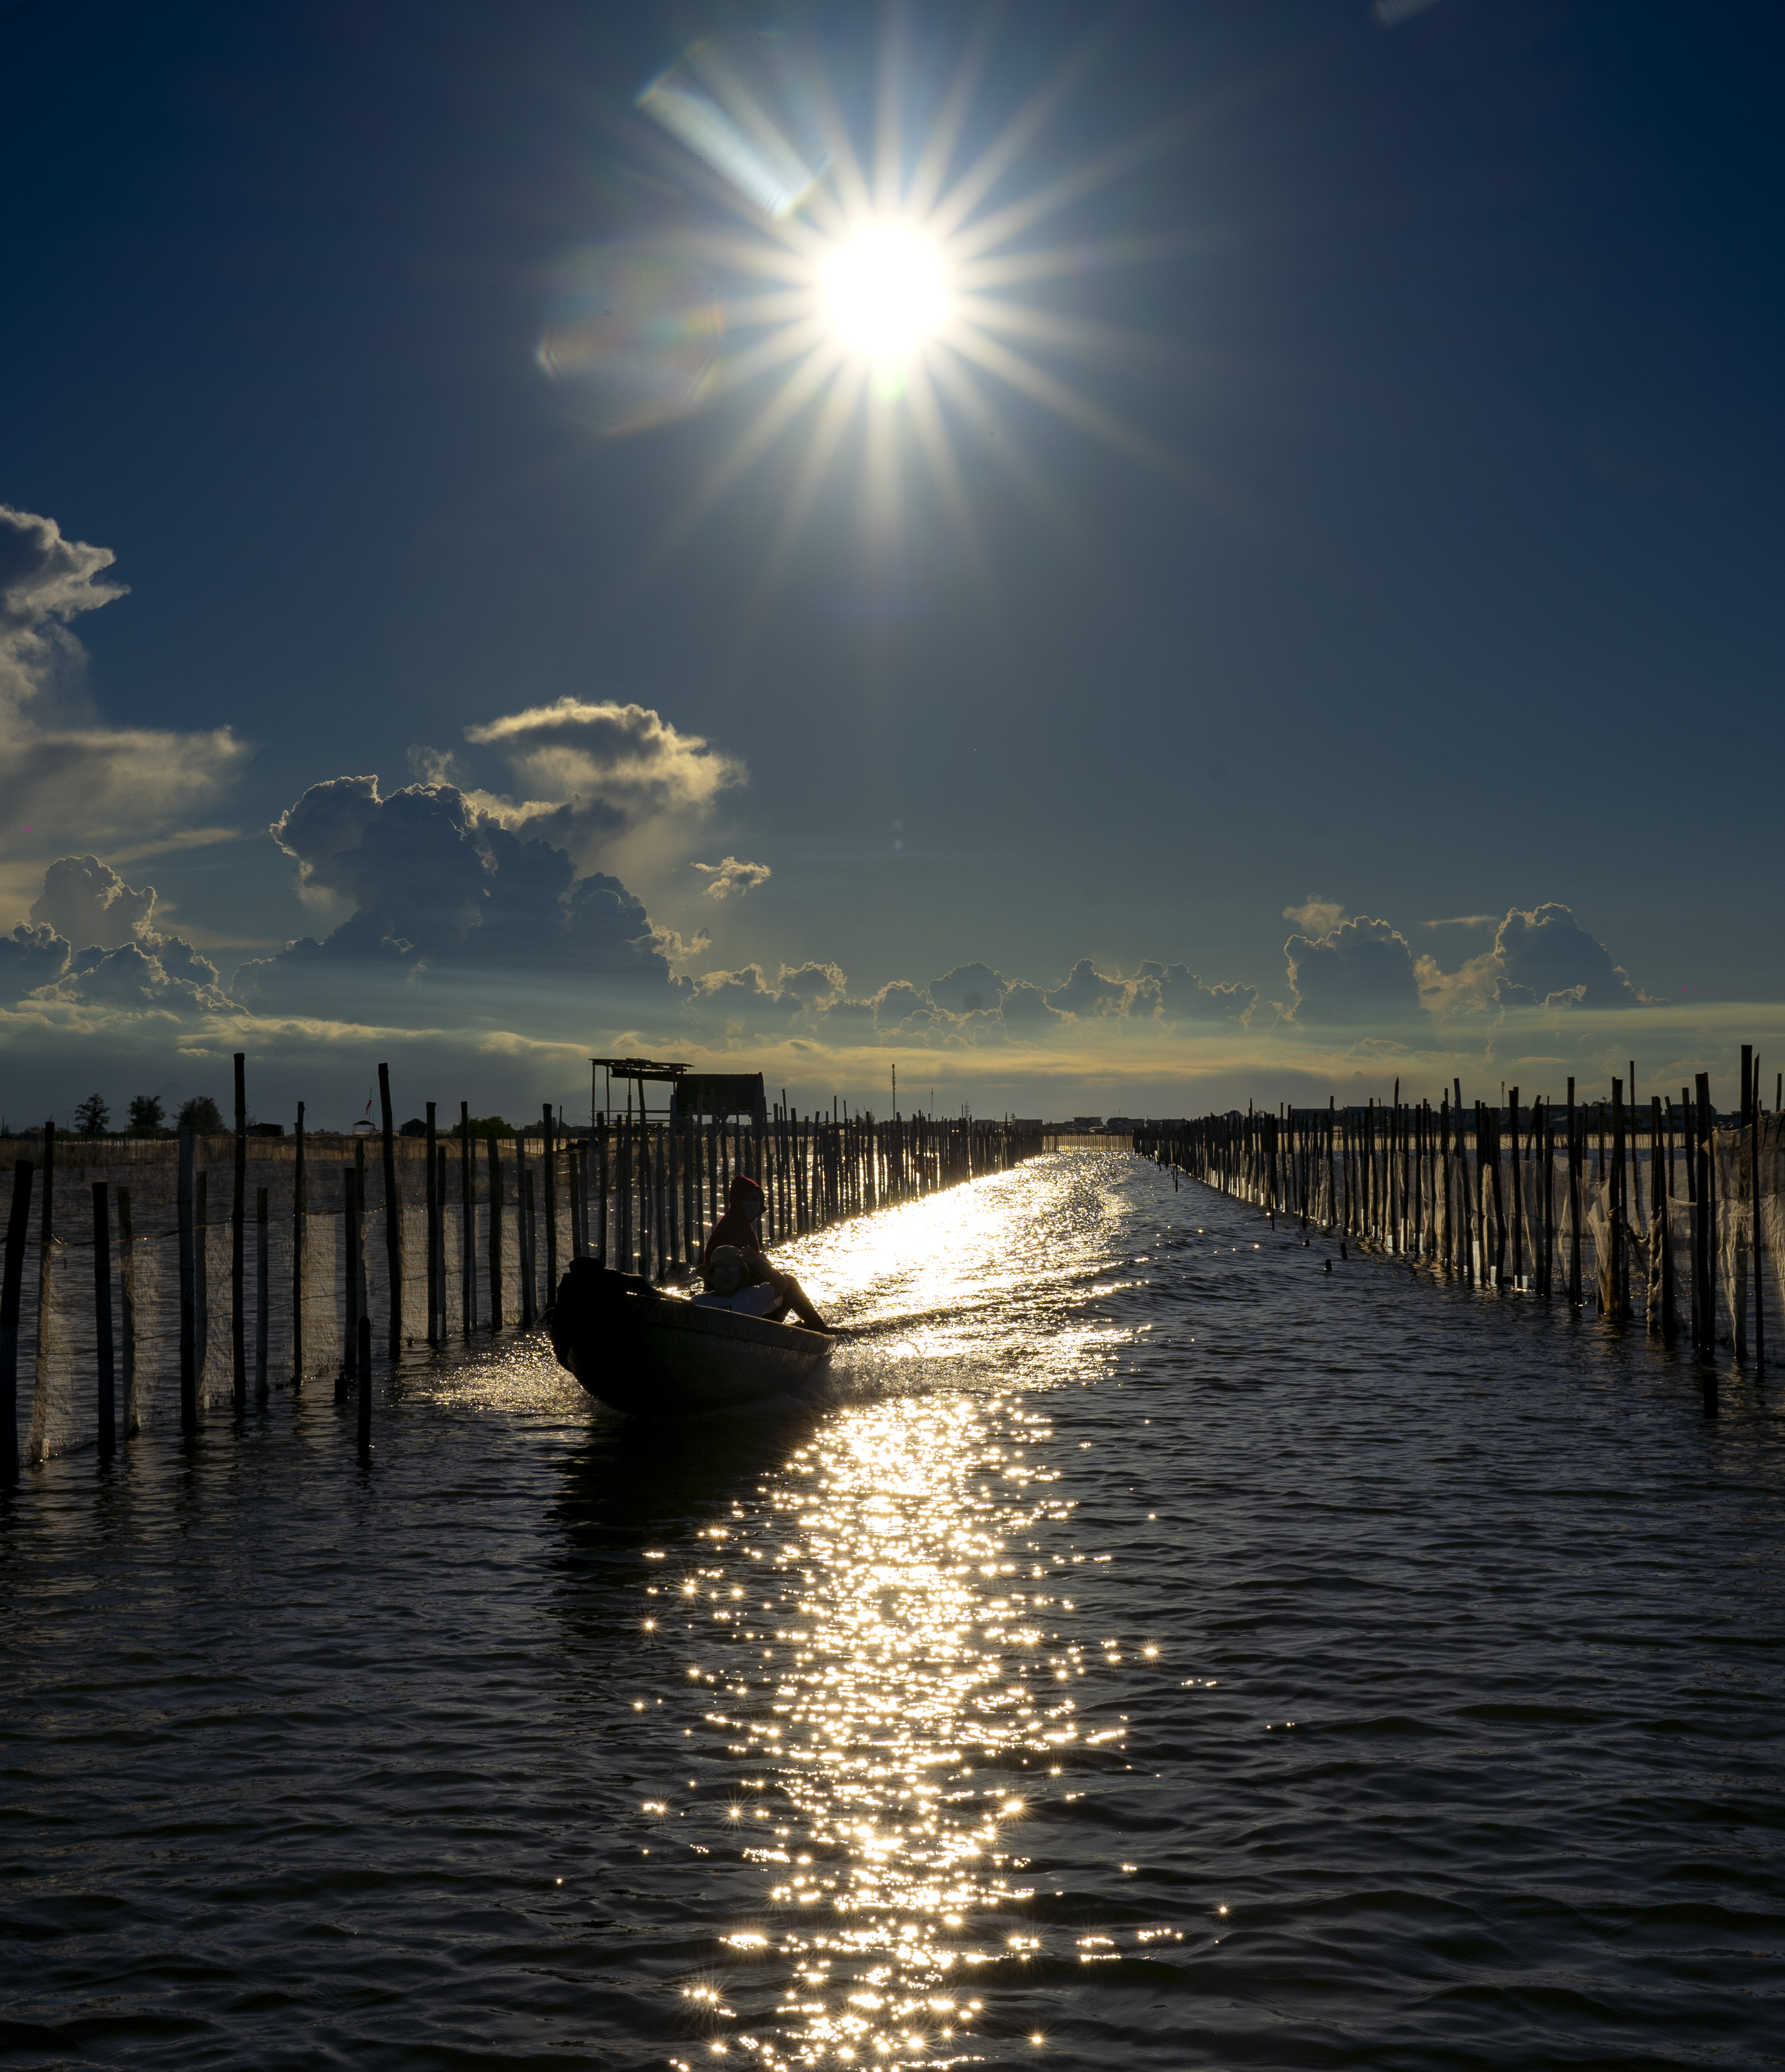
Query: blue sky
[[1399, 543]]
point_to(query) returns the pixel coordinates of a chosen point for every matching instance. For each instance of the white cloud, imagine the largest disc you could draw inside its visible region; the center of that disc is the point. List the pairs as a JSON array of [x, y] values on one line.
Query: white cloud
[[729, 875], [1540, 957], [607, 782], [63, 773], [1359, 972], [1315, 916], [87, 902]]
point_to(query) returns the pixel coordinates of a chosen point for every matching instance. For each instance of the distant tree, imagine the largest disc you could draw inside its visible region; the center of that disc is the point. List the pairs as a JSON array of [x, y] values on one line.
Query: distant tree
[[148, 1117], [201, 1116], [485, 1126], [414, 1127], [91, 1118]]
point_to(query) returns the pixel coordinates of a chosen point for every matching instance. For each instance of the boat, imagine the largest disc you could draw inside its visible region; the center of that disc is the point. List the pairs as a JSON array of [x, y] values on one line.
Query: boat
[[639, 1350]]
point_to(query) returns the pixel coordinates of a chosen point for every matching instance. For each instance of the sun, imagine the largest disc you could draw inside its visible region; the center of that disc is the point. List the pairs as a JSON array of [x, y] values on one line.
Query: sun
[[884, 290], [881, 299]]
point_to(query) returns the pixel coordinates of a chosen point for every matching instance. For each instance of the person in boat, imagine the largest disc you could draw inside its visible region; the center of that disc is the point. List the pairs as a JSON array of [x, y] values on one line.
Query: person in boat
[[745, 1280]]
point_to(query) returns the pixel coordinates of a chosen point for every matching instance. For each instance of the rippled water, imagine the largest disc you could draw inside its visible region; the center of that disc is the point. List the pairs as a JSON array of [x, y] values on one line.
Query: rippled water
[[1155, 1652]]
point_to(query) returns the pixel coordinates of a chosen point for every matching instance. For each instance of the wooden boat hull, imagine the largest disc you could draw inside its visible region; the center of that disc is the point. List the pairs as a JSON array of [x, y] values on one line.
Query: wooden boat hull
[[656, 1356]]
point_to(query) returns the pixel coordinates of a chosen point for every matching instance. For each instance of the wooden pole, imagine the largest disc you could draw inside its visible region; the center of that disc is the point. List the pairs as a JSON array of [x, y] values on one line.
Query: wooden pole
[[523, 1231], [495, 1234], [1707, 1225], [127, 1314], [1573, 1203], [467, 1226], [365, 1404], [350, 1306], [440, 1235], [238, 1212], [393, 1226], [12, 1286], [1516, 1186], [1620, 1219], [188, 1294], [201, 1272], [298, 1233], [436, 1293], [1661, 1222], [262, 1293], [105, 1354], [549, 1153]]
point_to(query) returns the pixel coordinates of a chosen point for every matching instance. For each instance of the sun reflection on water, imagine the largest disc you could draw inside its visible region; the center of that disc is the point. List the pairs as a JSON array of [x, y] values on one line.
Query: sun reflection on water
[[884, 1642]]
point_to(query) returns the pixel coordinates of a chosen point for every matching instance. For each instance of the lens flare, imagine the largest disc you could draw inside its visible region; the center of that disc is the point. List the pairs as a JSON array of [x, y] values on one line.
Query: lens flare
[[885, 291]]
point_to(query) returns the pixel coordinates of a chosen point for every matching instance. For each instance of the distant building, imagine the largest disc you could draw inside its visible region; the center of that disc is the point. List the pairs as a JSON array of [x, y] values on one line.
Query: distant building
[[1087, 1122]]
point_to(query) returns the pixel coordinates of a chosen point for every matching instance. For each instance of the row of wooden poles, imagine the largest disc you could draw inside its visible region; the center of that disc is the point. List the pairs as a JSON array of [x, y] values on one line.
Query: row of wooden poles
[[635, 1193], [1411, 1178]]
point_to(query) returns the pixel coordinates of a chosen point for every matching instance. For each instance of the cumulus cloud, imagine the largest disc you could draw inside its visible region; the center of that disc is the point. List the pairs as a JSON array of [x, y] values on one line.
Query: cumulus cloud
[[87, 902], [1315, 916], [443, 892], [1085, 991], [1541, 957], [59, 768], [171, 976], [973, 989], [1360, 970], [31, 956], [728, 876], [599, 779], [125, 965], [1182, 996]]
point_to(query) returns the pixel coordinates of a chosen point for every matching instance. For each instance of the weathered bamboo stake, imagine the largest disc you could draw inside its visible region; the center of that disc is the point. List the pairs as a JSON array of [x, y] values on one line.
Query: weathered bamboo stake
[[362, 1351], [393, 1225], [12, 1287], [440, 1234], [363, 1420], [529, 1314], [1688, 1158], [1707, 1238], [495, 1185], [436, 1293], [299, 1233], [362, 1296], [549, 1157], [1573, 1203], [1661, 1222], [105, 1360], [1518, 1185], [201, 1271], [127, 1315], [262, 1294], [350, 1278], [188, 1294], [238, 1214], [467, 1226], [1620, 1261]]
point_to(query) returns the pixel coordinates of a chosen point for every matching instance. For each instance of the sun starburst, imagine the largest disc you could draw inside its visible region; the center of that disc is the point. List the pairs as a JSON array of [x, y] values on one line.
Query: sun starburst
[[881, 294]]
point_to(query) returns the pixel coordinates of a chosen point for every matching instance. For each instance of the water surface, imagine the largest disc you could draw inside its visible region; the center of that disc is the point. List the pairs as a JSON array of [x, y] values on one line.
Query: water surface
[[1153, 1651]]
